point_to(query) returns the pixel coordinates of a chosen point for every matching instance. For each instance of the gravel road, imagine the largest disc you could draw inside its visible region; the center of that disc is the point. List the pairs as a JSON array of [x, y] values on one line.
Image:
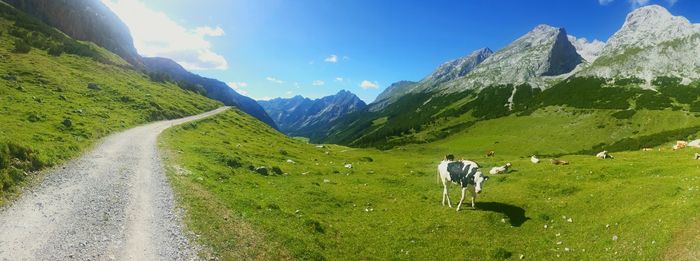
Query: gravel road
[[114, 202]]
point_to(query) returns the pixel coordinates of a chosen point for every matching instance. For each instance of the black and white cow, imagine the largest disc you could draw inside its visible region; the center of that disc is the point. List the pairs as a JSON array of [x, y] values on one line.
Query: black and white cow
[[463, 173]]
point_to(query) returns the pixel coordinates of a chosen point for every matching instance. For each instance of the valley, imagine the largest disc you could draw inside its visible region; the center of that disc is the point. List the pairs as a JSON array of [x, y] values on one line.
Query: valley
[[107, 152]]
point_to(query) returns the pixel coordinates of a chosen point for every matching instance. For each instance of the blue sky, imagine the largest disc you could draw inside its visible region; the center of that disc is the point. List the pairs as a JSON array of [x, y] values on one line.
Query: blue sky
[[281, 48]]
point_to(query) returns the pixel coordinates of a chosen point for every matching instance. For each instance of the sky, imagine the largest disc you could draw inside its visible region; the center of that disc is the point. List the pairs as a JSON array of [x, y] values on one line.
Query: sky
[[280, 48]]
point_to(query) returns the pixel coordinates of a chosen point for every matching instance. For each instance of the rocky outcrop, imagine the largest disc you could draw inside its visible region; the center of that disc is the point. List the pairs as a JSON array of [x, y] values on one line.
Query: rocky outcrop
[[215, 89], [85, 20]]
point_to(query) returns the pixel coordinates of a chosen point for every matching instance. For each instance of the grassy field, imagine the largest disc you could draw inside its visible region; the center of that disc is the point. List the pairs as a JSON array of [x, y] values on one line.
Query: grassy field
[[387, 206], [53, 107]]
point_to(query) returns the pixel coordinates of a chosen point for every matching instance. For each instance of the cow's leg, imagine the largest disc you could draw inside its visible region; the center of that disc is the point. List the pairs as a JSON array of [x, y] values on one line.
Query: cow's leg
[[471, 191], [459, 206], [446, 195]]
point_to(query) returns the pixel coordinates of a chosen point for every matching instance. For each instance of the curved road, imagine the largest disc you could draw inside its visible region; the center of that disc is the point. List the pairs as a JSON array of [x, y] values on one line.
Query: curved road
[[113, 202]]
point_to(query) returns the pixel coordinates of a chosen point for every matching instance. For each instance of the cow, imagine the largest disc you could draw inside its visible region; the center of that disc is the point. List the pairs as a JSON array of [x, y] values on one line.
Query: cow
[[680, 145], [534, 159], [697, 156], [501, 169], [490, 153], [463, 173], [604, 155], [559, 162]]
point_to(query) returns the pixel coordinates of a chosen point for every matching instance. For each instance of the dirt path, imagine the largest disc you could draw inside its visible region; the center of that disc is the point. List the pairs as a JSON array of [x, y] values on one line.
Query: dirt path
[[114, 202]]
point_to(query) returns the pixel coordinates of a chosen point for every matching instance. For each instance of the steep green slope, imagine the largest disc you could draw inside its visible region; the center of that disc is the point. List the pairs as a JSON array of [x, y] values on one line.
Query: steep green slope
[[55, 105], [387, 205]]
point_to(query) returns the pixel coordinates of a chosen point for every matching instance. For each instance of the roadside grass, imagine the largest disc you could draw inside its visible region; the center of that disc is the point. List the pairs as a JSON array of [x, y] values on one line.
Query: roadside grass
[[54, 107], [387, 206]]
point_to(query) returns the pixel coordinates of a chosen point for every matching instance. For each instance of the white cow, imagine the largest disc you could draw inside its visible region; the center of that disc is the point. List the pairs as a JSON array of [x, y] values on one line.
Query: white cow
[[604, 155], [535, 159], [501, 169], [469, 175]]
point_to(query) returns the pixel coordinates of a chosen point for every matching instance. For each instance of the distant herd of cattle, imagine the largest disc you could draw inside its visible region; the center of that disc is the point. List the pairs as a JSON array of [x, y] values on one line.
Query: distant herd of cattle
[[467, 174]]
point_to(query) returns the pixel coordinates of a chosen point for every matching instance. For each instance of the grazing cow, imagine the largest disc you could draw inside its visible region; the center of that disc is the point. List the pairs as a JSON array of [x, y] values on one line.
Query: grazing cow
[[604, 155], [462, 172], [490, 153], [680, 145], [501, 169], [535, 159], [646, 149], [559, 162], [697, 156]]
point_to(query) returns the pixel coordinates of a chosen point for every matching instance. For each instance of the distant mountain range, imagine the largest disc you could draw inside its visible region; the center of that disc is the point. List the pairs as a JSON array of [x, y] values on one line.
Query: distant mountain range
[[299, 116], [651, 62], [91, 20]]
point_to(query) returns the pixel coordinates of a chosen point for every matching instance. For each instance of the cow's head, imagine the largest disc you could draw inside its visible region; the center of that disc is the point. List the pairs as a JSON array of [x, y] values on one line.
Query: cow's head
[[479, 180]]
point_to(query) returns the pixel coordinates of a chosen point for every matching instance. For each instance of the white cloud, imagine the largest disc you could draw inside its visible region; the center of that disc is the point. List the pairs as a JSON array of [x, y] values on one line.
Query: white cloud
[[605, 2], [637, 3], [318, 83], [369, 85], [296, 85], [289, 93], [672, 2], [275, 80], [331, 59], [208, 31], [237, 86], [156, 34], [339, 79]]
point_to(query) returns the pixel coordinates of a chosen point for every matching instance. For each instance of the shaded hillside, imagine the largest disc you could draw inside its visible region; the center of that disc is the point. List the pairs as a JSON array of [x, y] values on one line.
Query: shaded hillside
[[215, 89], [85, 20]]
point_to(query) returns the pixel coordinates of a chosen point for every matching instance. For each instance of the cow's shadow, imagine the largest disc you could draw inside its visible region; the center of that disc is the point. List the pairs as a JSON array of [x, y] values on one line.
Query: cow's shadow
[[515, 214]]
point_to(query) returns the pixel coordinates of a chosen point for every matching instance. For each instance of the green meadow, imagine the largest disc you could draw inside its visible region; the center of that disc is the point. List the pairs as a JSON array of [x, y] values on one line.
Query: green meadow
[[640, 205], [53, 107]]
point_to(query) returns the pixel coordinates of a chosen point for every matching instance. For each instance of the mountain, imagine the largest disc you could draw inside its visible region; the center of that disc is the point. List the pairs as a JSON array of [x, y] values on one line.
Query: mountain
[[445, 72], [651, 43], [215, 89], [543, 52], [650, 64], [391, 93], [299, 116], [85, 20], [459, 67]]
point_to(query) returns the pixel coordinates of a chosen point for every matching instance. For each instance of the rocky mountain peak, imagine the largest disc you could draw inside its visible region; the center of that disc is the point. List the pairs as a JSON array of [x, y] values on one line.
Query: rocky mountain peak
[[543, 51], [650, 25], [459, 67]]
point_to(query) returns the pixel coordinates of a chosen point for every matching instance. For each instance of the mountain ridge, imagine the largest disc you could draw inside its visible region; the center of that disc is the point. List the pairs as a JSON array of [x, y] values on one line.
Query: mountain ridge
[[299, 116]]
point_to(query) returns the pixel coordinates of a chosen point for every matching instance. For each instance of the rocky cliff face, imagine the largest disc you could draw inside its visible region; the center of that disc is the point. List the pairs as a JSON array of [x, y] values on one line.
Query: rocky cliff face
[[86, 20], [215, 89], [299, 116]]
